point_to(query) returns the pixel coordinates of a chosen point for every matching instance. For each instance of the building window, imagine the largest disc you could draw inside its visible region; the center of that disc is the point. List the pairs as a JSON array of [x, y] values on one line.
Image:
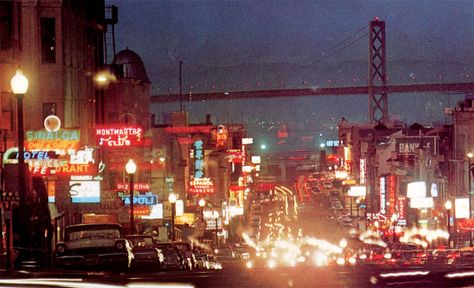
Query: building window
[[49, 109], [5, 25], [48, 40]]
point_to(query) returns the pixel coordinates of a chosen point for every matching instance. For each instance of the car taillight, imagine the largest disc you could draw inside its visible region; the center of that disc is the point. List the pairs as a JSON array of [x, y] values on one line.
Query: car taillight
[[120, 245]]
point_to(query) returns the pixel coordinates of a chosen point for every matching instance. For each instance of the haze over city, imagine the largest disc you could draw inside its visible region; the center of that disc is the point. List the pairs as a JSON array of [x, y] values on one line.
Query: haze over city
[[251, 45]]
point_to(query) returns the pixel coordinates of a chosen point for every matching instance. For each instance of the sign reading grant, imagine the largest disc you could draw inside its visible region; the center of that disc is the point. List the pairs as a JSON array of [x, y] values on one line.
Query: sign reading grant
[[119, 136]]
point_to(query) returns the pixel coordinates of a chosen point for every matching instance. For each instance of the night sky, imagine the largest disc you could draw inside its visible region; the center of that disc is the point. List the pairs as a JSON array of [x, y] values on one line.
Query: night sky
[[248, 45]]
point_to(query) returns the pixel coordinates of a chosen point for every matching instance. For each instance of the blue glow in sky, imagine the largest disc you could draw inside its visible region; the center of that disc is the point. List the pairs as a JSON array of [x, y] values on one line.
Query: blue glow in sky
[[247, 45]]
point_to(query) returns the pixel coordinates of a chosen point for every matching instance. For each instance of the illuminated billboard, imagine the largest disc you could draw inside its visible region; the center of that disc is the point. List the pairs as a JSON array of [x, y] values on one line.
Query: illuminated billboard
[[357, 191], [461, 208], [416, 189], [84, 191]]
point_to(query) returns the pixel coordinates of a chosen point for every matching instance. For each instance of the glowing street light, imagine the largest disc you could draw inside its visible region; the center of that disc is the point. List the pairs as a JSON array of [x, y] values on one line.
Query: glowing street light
[[19, 86], [202, 203], [131, 168]]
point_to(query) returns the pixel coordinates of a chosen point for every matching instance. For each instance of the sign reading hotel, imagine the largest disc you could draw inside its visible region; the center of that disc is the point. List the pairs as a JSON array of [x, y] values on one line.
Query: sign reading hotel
[[61, 141], [118, 137], [201, 186]]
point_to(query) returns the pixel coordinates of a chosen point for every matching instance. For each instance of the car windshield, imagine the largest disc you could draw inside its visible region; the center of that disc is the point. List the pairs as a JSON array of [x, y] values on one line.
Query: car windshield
[[144, 242], [96, 233]]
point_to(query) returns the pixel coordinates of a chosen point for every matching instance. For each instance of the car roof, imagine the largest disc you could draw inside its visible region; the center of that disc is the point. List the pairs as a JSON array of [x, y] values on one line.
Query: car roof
[[93, 226]]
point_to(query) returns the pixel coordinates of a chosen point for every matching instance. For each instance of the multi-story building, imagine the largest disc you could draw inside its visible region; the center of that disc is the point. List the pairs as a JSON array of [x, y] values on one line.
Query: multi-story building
[[59, 47]]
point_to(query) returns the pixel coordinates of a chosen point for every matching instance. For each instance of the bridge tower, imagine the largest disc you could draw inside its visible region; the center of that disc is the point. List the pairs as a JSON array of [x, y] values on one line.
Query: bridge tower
[[378, 106]]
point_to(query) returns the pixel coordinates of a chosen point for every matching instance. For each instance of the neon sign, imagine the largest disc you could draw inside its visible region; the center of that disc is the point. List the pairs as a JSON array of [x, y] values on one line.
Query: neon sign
[[136, 187], [198, 159], [383, 201], [114, 137], [61, 140], [392, 189], [201, 186]]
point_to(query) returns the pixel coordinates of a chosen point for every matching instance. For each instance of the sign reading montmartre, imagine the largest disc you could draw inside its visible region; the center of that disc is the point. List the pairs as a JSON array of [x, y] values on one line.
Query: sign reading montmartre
[[119, 136]]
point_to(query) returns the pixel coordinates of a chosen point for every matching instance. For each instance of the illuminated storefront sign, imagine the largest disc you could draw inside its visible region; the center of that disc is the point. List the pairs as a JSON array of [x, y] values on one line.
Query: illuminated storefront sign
[[179, 206], [235, 155], [84, 191], [422, 202], [62, 140], [409, 145], [357, 191], [186, 218], [141, 187], [416, 189], [140, 199], [362, 171], [383, 195], [392, 192], [198, 159], [116, 137], [201, 186], [156, 212], [461, 208], [140, 210], [75, 169], [402, 211]]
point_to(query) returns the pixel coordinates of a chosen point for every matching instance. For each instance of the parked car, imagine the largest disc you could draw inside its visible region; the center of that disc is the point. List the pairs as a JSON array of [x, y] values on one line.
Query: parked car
[[171, 254], [94, 245], [224, 253], [146, 254]]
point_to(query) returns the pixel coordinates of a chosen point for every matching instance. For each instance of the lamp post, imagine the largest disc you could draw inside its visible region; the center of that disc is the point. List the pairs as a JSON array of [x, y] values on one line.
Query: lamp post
[[202, 203], [394, 219], [215, 214], [469, 192], [172, 199], [448, 206], [131, 168], [19, 86]]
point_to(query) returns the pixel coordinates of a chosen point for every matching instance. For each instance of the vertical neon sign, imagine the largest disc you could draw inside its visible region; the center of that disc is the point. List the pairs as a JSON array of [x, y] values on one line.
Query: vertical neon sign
[[198, 160]]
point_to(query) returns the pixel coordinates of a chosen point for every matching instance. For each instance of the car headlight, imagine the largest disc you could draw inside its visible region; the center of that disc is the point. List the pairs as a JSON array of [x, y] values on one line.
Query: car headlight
[[120, 245], [61, 248]]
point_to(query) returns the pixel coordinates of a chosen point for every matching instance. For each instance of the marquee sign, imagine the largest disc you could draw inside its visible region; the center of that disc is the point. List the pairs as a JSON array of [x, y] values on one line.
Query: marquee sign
[[119, 136], [201, 186]]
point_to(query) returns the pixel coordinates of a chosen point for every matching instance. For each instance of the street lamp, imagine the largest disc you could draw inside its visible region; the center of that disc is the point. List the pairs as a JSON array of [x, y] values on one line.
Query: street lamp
[[172, 199], [215, 215], [19, 86], [448, 206], [202, 203], [394, 219], [131, 168]]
